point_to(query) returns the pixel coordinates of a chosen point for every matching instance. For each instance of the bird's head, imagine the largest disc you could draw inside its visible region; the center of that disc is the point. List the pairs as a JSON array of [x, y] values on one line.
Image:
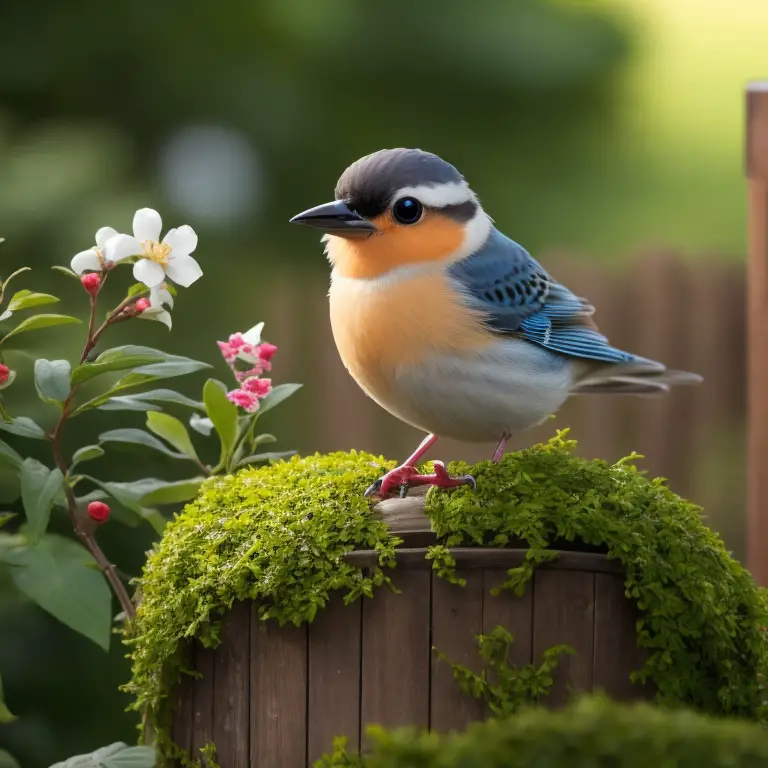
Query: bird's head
[[396, 210]]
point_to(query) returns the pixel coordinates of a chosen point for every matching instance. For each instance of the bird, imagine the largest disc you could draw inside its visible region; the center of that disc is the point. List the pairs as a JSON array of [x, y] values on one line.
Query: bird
[[450, 325]]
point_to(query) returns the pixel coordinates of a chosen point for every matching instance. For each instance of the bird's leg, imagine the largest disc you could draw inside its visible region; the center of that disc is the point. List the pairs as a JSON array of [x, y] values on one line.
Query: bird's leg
[[407, 475], [499, 452]]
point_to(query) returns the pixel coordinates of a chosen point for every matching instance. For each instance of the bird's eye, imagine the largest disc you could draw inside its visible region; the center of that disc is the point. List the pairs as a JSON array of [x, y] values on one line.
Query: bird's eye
[[407, 210]]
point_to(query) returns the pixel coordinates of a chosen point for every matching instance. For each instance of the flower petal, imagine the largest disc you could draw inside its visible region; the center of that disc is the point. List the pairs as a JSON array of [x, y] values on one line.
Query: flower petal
[[121, 247], [182, 240], [104, 234], [159, 315], [148, 272], [159, 296], [147, 225], [253, 336], [85, 260], [183, 269]]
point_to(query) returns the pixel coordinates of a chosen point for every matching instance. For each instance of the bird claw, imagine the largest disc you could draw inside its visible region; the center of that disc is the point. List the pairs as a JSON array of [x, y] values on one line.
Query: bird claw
[[405, 477]]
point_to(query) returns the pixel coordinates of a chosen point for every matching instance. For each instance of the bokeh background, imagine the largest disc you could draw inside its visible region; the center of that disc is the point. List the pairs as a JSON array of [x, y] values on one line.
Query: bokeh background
[[606, 136]]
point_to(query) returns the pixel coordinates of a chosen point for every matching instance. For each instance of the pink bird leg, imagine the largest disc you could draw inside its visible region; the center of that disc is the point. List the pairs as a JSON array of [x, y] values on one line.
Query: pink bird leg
[[407, 475]]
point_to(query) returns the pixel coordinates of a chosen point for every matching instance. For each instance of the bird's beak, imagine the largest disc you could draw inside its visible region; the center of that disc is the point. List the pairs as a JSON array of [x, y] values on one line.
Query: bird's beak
[[336, 219]]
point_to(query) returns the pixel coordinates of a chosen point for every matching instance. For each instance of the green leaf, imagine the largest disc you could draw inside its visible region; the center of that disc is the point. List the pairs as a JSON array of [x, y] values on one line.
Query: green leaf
[[222, 413], [172, 431], [143, 401], [52, 379], [7, 760], [58, 575], [36, 322], [6, 716], [9, 457], [142, 493], [66, 271], [277, 395], [117, 359], [117, 755], [25, 299], [87, 453], [139, 437], [6, 517], [136, 290], [39, 486], [10, 277], [264, 457], [174, 493], [23, 427], [265, 438]]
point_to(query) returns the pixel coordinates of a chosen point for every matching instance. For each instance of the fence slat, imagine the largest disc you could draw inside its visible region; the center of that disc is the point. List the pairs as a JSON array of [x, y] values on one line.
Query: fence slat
[[231, 688], [563, 613], [457, 619], [334, 677], [278, 721], [183, 710], [511, 612], [396, 653], [202, 699]]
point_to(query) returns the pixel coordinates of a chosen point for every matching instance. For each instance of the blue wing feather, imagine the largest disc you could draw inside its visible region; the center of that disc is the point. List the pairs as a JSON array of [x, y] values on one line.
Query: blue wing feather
[[519, 298]]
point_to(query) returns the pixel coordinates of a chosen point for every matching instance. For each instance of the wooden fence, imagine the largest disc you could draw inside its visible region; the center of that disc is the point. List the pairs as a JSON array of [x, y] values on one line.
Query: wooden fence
[[687, 312]]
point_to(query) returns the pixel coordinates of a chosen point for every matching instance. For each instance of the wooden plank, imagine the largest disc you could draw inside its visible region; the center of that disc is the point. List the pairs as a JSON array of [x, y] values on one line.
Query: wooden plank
[[231, 688], [278, 722], [396, 653], [474, 557], [334, 677], [181, 728], [457, 619], [202, 700], [513, 613], [563, 613], [616, 653], [757, 313]]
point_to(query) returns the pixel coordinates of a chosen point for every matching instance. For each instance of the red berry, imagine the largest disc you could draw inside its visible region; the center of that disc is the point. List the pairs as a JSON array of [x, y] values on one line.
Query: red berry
[[142, 305], [267, 351], [98, 511], [91, 283], [5, 372]]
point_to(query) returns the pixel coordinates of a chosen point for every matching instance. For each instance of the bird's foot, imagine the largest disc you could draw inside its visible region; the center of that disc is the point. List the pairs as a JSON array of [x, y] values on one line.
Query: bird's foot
[[404, 477]]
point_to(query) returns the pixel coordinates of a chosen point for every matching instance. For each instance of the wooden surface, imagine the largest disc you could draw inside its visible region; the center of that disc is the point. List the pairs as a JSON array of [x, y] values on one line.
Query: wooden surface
[[757, 313], [273, 696]]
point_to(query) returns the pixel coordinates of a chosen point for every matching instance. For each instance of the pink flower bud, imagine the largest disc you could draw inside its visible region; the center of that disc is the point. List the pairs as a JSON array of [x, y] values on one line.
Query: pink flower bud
[[98, 511], [245, 400], [91, 282], [258, 387], [5, 372], [142, 305], [228, 352], [266, 351]]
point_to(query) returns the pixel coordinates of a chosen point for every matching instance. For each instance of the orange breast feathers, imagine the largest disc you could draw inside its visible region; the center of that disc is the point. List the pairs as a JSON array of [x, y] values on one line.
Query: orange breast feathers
[[381, 325]]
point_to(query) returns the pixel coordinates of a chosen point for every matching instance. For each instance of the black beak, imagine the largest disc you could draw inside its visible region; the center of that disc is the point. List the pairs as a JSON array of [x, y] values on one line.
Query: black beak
[[336, 219]]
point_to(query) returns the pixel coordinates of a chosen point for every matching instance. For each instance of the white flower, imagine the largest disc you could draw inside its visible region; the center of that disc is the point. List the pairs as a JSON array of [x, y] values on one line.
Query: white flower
[[252, 338], [111, 248], [167, 258], [159, 296]]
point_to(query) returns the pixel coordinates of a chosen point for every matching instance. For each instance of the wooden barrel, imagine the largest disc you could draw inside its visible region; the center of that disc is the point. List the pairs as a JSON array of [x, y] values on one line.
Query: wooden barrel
[[278, 696]]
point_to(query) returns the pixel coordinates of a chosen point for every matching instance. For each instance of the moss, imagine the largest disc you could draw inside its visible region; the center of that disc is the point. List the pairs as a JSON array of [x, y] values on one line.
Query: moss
[[277, 534], [591, 732], [274, 534], [703, 614]]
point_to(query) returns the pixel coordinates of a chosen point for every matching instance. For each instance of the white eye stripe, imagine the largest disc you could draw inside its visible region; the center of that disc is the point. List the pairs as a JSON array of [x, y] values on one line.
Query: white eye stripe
[[438, 195]]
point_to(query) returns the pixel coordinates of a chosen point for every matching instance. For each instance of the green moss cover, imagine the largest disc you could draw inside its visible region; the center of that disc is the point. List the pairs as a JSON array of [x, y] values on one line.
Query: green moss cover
[[592, 732], [278, 533]]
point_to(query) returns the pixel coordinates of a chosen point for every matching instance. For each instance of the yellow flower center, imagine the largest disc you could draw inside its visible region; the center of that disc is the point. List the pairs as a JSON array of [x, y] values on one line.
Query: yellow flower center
[[157, 252]]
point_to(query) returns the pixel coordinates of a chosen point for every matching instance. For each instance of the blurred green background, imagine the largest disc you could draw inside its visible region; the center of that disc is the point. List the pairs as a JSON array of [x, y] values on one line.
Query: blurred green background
[[599, 131]]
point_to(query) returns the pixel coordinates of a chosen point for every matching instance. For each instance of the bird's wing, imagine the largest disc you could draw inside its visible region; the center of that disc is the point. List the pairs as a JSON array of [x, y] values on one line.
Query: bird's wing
[[520, 299]]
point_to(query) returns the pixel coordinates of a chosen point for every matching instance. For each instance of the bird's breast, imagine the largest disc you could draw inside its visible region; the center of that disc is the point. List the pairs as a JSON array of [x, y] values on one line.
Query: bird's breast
[[384, 326]]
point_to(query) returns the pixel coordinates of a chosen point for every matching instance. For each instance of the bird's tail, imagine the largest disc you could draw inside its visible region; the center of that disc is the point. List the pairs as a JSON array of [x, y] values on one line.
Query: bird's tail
[[637, 377]]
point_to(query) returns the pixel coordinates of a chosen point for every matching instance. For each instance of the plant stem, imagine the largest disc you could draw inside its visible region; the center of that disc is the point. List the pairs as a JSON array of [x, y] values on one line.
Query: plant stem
[[89, 541]]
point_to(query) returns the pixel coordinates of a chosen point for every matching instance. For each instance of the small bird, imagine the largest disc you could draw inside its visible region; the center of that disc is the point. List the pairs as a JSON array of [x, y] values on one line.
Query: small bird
[[447, 323]]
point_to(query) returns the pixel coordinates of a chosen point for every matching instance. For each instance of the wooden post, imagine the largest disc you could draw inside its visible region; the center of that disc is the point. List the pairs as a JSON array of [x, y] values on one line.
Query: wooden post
[[757, 304]]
